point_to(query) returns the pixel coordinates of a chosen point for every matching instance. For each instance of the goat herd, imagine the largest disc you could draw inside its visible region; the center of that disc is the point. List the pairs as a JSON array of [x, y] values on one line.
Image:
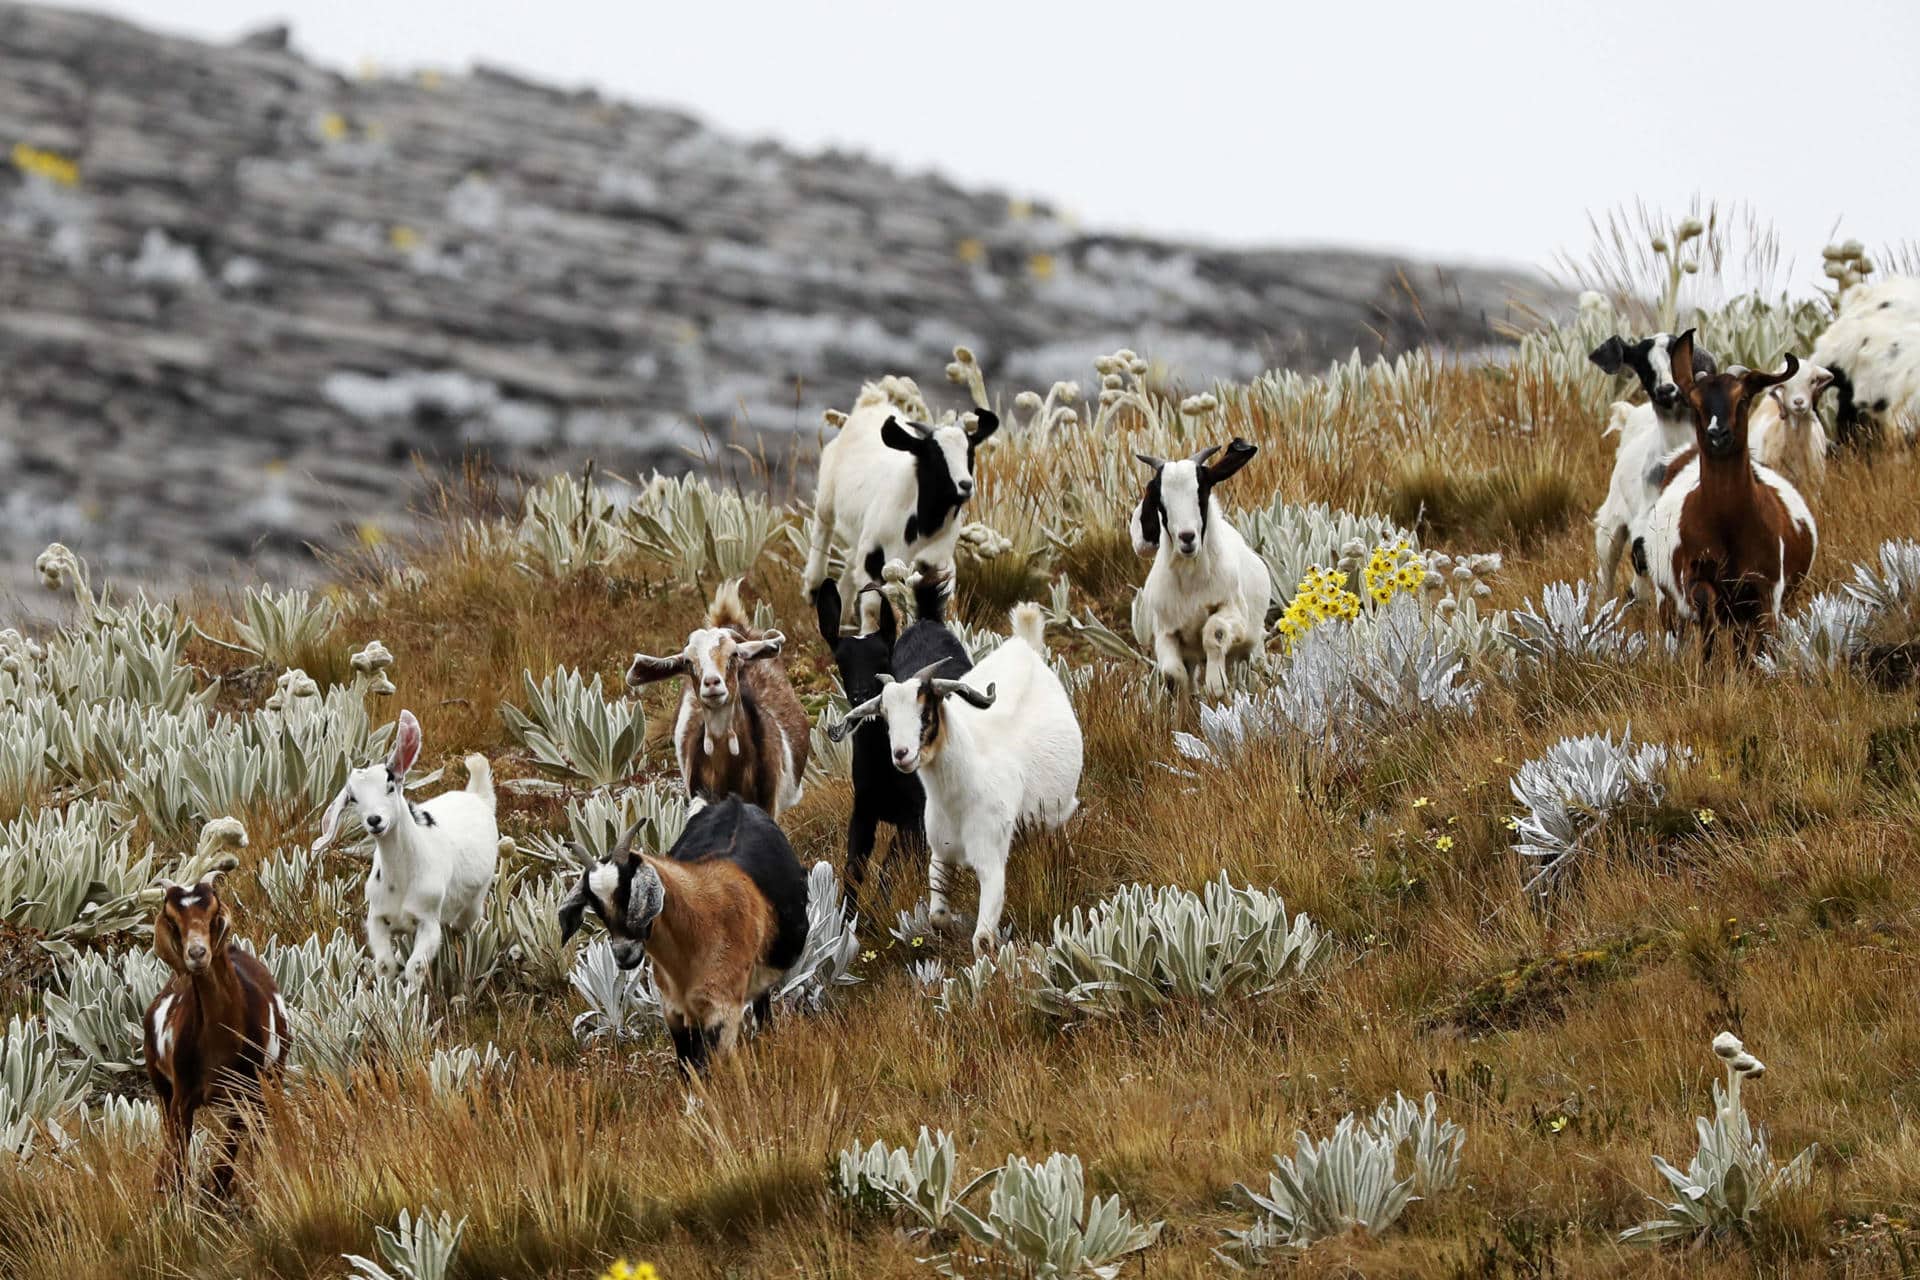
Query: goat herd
[[955, 756]]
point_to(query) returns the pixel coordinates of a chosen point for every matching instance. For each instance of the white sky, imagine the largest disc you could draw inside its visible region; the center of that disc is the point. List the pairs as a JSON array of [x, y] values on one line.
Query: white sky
[[1473, 129]]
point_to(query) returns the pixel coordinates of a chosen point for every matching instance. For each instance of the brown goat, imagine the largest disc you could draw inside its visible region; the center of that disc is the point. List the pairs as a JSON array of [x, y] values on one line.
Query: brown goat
[[1727, 542], [215, 1034], [741, 729]]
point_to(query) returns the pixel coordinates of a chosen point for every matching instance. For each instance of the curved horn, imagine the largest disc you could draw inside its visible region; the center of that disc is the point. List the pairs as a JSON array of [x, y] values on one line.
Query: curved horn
[[865, 711], [926, 673], [965, 692], [1761, 381], [1199, 459], [580, 854], [1150, 460], [624, 849]]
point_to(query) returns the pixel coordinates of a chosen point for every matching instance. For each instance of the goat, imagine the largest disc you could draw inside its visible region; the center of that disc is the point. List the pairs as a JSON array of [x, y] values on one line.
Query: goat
[[882, 793], [1785, 431], [1208, 602], [433, 863], [1872, 349], [723, 916], [1729, 540], [1649, 435], [996, 750], [893, 488], [739, 698], [215, 1035]]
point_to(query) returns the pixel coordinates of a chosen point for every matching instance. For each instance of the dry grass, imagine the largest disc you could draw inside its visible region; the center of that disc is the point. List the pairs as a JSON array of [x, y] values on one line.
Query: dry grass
[[1570, 1043]]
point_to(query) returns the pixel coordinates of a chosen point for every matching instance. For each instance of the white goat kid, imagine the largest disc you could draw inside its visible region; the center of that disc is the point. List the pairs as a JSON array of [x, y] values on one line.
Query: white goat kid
[[433, 863], [996, 750], [1205, 599], [1784, 429]]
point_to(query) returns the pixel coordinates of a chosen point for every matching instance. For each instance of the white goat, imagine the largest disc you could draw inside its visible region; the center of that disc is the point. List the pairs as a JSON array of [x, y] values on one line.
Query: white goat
[[432, 863], [996, 750], [1872, 349], [1784, 430], [1650, 433], [1206, 599], [891, 488]]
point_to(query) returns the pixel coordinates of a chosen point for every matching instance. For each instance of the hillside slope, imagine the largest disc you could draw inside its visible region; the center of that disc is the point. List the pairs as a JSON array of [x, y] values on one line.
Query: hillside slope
[[271, 284]]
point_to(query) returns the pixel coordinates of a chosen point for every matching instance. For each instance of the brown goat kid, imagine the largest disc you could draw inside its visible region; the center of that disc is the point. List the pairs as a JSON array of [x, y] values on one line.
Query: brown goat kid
[[1728, 541], [741, 729], [215, 1034]]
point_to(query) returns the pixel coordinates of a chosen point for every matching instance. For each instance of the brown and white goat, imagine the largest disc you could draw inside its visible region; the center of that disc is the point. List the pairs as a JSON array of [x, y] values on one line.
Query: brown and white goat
[[215, 1034], [741, 729], [1728, 540], [723, 916]]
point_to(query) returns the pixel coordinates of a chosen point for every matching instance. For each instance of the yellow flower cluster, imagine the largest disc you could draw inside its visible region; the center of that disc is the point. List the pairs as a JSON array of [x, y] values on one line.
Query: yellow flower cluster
[[1321, 597], [624, 1270], [1391, 569], [55, 168]]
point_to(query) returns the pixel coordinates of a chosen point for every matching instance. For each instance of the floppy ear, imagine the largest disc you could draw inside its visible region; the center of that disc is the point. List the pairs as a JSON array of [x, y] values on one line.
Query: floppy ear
[[826, 609], [329, 823], [895, 436], [766, 646], [648, 670], [1145, 524], [1239, 454], [1680, 351], [646, 895], [1821, 380], [406, 746], [1609, 355], [573, 909], [988, 424]]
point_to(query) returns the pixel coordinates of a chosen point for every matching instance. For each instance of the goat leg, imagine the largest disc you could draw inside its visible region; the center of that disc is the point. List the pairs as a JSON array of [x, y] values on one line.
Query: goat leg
[[860, 839]]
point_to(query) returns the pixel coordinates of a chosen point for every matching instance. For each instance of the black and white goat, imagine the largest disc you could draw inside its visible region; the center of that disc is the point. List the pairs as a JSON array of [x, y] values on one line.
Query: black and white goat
[[1650, 434], [723, 917], [866, 660], [892, 489], [1205, 599], [998, 750], [1872, 349]]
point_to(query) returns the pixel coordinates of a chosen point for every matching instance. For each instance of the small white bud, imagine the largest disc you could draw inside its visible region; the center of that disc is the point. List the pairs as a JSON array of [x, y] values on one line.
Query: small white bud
[[1125, 356], [1690, 266], [963, 355], [1113, 382], [1690, 228], [221, 833], [1659, 244], [1853, 249], [1864, 266], [1027, 402], [1066, 392], [1728, 1045], [1482, 590], [1138, 368], [956, 372], [374, 657]]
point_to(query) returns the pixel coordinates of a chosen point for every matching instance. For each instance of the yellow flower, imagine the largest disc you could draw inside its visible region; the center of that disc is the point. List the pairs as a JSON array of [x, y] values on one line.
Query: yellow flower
[[1557, 1123], [868, 955], [55, 168], [1421, 802], [333, 126], [918, 941], [1040, 266], [1444, 843], [404, 238], [1706, 816], [369, 533], [624, 1270], [1513, 823], [1381, 595]]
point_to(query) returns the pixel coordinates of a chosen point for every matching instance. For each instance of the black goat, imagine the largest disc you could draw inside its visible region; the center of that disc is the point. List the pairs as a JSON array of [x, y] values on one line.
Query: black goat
[[881, 793]]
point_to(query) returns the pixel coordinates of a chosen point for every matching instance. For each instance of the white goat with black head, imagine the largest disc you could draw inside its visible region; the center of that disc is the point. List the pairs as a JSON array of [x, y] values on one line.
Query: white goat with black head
[[1650, 434], [1205, 599], [996, 750], [891, 489], [433, 863]]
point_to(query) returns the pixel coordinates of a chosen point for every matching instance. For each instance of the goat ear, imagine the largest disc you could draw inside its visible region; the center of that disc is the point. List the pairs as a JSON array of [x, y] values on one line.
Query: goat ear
[[895, 436], [329, 822], [406, 746], [1680, 351], [1239, 454], [1821, 380], [767, 646], [989, 422], [1609, 355], [573, 909], [1145, 525], [648, 670], [1704, 365], [826, 610], [646, 895]]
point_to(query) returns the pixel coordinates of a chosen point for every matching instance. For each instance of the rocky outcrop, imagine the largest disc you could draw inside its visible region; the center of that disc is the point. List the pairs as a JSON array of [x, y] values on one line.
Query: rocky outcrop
[[272, 287]]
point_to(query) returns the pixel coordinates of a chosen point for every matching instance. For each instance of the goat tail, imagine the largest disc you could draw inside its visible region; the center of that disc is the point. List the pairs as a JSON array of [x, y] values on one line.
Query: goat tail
[[1030, 624], [930, 595], [727, 609], [480, 778]]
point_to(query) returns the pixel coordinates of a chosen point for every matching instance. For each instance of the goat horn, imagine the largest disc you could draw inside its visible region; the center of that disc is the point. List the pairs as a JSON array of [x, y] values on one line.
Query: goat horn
[[624, 850], [865, 711], [1150, 460], [580, 854], [1201, 457], [926, 672], [981, 699]]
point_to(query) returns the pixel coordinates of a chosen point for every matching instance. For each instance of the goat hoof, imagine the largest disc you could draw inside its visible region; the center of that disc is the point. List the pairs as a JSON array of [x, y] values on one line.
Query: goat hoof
[[982, 944]]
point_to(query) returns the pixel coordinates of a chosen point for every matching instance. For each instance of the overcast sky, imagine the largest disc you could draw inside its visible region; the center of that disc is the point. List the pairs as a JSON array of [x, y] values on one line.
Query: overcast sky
[[1482, 129]]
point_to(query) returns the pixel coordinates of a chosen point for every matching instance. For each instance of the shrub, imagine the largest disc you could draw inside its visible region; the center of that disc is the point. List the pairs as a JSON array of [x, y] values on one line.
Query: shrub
[[571, 729], [1038, 1215], [37, 1088], [1570, 623], [417, 1248], [287, 629], [1575, 787]]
